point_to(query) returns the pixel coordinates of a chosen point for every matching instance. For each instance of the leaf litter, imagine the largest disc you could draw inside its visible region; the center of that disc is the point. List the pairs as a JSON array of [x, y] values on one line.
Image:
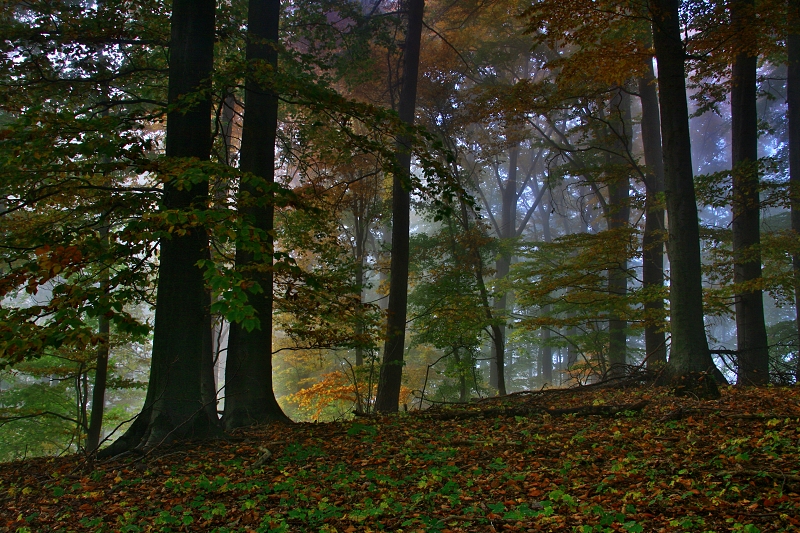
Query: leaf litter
[[588, 460]]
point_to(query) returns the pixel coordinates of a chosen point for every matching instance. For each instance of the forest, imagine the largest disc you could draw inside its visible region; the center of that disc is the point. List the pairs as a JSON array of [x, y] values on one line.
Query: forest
[[217, 215]]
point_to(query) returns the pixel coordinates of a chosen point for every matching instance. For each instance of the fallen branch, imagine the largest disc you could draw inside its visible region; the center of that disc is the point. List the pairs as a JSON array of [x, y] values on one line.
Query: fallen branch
[[599, 410], [265, 458], [585, 410]]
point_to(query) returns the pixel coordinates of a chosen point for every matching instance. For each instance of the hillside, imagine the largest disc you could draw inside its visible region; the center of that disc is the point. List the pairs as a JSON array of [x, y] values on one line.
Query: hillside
[[587, 460]]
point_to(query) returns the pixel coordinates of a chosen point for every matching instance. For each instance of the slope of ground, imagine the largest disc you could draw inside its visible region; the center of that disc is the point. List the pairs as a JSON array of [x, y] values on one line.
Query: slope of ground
[[586, 460]]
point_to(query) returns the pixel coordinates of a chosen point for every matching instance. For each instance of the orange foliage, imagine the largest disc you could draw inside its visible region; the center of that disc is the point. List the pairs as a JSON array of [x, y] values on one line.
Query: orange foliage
[[337, 387], [331, 388]]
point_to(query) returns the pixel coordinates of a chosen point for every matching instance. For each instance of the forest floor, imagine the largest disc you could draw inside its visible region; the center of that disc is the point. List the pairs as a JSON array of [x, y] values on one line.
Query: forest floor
[[586, 460]]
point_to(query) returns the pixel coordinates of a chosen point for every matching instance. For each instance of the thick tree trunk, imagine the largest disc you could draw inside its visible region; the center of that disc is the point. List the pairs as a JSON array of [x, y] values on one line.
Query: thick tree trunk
[[690, 362], [618, 217], [793, 99], [388, 395], [751, 333], [180, 401], [249, 398], [653, 240]]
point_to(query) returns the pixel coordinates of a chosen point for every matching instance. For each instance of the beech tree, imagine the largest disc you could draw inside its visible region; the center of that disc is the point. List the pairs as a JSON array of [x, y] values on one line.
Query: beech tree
[[249, 397], [618, 218], [690, 363], [387, 399], [76, 100], [653, 237], [181, 399], [751, 333], [793, 101]]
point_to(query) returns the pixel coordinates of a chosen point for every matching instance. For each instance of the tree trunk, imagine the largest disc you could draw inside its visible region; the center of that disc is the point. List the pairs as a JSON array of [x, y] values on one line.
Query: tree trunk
[[362, 207], [95, 428], [228, 121], [388, 396], [100, 374], [497, 358], [478, 271], [249, 398], [751, 333], [180, 401], [546, 353], [690, 362], [618, 217], [462, 375], [570, 332], [653, 240], [547, 350], [793, 99], [359, 329], [508, 230]]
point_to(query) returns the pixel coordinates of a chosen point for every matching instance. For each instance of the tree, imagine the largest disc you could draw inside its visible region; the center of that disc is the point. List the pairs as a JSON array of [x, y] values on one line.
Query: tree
[[249, 397], [594, 86], [181, 399], [690, 362], [387, 399], [493, 56], [793, 101], [618, 218], [95, 426], [363, 203], [448, 303], [653, 238], [78, 99], [751, 333]]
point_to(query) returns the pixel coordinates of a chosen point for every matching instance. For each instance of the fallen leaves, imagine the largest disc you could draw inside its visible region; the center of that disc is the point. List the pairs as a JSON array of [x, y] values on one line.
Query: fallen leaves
[[561, 460]]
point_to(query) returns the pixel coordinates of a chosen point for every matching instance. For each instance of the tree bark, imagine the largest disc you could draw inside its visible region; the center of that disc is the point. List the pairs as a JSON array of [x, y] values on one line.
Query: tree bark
[[508, 230], [100, 372], [362, 205], [249, 398], [547, 349], [180, 400], [95, 428], [653, 240], [793, 101], [690, 360], [359, 329], [228, 122], [388, 395], [462, 375], [751, 333], [618, 217]]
